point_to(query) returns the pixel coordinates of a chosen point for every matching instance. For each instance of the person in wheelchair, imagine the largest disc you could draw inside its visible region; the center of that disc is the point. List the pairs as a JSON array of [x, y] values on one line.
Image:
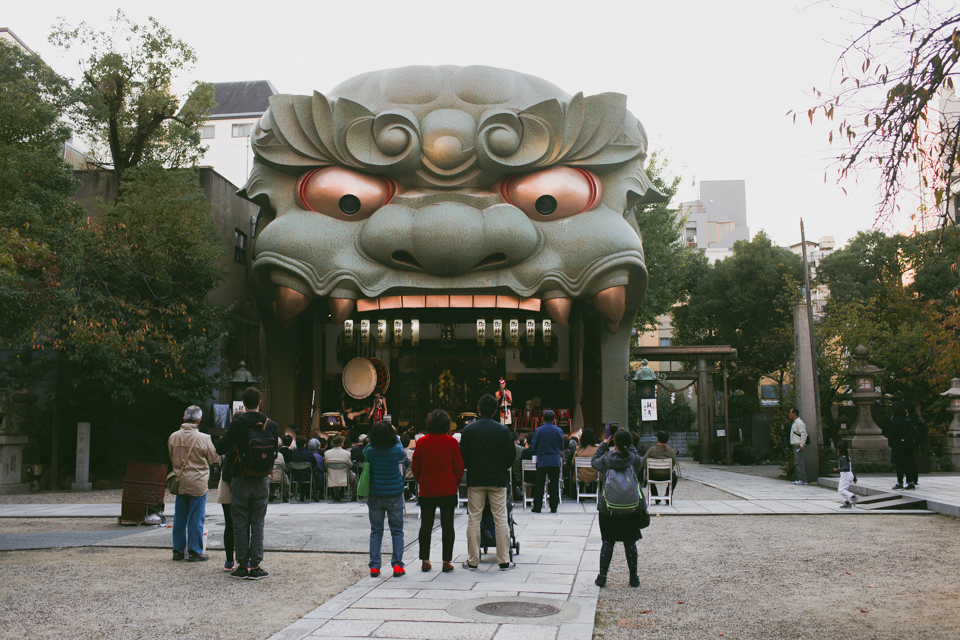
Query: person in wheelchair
[[661, 451]]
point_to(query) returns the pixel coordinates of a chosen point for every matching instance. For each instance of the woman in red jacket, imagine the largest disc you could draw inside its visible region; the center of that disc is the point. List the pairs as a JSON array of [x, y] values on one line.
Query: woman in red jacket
[[438, 470]]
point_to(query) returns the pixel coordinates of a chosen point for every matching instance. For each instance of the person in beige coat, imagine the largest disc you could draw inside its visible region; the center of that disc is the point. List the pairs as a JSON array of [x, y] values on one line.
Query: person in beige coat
[[191, 454], [337, 479]]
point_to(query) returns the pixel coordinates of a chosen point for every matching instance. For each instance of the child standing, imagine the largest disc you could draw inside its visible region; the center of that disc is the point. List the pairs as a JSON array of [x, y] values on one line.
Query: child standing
[[847, 477]]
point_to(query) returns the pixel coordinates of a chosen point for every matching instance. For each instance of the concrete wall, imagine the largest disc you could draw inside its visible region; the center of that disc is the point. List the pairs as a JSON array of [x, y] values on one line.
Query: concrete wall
[[231, 157]]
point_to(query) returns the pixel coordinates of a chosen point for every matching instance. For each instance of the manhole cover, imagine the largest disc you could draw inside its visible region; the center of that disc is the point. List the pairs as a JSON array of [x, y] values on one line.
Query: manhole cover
[[517, 609]]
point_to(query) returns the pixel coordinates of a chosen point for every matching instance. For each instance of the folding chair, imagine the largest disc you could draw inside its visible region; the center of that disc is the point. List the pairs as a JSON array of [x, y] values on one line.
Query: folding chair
[[584, 463], [462, 492], [664, 487], [528, 467], [277, 477], [335, 465], [301, 473]]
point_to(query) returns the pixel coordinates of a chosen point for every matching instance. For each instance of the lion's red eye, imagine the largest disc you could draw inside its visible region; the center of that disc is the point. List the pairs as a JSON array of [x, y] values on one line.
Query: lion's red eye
[[552, 194], [344, 194]]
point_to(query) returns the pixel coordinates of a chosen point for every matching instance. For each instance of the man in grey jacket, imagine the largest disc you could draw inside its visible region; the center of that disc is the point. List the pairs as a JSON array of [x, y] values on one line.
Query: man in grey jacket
[[798, 438]]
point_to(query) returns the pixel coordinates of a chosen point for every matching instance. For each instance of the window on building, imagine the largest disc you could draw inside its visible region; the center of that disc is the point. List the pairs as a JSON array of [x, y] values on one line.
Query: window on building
[[239, 247], [666, 342], [242, 130], [206, 132]]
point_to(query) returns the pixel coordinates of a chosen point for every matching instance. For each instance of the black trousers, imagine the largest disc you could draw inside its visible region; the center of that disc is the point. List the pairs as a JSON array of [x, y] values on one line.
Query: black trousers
[[653, 487], [543, 473], [907, 468], [428, 512], [227, 532]]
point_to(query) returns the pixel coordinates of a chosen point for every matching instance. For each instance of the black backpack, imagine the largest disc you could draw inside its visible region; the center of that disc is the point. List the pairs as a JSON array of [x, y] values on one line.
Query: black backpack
[[261, 451]]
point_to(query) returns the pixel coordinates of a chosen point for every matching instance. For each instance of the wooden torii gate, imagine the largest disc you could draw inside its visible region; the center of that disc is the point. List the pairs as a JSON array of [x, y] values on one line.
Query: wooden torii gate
[[702, 355]]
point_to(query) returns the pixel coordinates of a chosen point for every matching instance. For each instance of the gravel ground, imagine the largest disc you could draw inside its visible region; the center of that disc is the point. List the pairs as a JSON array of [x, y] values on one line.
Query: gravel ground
[[788, 577], [94, 592]]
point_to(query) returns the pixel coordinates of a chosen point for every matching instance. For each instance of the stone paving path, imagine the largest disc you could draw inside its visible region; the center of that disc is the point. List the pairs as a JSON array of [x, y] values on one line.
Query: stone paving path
[[942, 492]]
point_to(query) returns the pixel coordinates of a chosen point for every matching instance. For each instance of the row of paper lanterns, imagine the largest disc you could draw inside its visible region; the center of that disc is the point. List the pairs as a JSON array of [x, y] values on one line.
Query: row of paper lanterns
[[382, 337]]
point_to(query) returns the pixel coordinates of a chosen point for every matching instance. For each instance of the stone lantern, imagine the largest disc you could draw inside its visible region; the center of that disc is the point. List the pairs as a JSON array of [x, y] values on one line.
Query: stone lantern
[[647, 380], [953, 433], [865, 441], [241, 379]]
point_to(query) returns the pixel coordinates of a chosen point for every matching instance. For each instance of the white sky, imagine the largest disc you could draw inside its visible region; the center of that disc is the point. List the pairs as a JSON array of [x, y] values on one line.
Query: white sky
[[710, 81]]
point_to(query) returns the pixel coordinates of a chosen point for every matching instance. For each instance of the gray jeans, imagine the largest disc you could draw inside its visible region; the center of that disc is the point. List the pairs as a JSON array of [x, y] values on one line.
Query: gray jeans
[[798, 463], [248, 506]]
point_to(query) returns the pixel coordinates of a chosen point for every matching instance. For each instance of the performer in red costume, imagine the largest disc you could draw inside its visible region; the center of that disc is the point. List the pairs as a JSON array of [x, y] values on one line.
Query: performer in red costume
[[505, 398], [379, 409]]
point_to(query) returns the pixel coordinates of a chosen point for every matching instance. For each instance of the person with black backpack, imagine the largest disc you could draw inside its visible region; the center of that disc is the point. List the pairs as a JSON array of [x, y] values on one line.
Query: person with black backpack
[[256, 440], [623, 511]]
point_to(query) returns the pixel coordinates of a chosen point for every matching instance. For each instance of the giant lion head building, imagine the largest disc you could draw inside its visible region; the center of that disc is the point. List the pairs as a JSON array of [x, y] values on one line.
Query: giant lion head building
[[459, 225]]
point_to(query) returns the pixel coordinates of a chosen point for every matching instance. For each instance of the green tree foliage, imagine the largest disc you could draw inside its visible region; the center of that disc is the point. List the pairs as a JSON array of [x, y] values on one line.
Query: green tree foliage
[[142, 327], [667, 256], [895, 295], [125, 101], [39, 226], [746, 301]]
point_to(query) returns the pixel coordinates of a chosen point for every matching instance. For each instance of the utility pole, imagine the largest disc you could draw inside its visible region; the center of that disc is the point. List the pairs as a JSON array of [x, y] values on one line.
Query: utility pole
[[821, 453]]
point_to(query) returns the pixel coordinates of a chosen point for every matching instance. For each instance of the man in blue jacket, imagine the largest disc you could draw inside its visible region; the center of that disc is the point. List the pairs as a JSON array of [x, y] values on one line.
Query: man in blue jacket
[[488, 453], [547, 445]]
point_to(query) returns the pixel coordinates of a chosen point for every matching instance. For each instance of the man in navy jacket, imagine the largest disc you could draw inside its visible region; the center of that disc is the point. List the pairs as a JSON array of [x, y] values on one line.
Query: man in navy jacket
[[547, 445]]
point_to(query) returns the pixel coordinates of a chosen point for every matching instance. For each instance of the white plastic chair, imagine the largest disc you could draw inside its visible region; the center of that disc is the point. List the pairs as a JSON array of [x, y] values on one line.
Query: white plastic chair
[[664, 487], [462, 492], [528, 467], [585, 463]]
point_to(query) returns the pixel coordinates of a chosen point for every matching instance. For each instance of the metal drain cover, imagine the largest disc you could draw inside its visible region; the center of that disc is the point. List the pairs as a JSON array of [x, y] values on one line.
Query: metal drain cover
[[517, 609]]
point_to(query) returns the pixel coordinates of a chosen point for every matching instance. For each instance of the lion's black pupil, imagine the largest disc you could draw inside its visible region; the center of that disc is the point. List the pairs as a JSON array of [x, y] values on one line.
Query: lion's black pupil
[[545, 205], [350, 204]]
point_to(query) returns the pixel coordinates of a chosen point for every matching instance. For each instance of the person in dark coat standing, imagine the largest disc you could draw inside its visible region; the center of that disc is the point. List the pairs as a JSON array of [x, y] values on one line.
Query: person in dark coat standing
[[620, 528], [902, 443], [922, 450], [248, 494], [547, 445], [488, 453]]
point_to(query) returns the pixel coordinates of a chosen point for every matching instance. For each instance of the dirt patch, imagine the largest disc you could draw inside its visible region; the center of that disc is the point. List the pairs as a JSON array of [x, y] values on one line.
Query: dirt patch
[[765, 577], [39, 525], [94, 592]]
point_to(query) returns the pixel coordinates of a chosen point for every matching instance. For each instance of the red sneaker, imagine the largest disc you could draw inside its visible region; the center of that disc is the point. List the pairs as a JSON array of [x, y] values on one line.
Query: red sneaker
[[398, 571], [374, 573]]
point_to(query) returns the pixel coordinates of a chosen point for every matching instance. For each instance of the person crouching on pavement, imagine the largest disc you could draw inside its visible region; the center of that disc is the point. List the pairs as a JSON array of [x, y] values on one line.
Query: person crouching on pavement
[[191, 454], [847, 476]]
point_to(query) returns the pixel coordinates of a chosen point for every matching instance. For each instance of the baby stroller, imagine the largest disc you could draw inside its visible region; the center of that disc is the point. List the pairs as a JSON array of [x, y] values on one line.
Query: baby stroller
[[488, 532]]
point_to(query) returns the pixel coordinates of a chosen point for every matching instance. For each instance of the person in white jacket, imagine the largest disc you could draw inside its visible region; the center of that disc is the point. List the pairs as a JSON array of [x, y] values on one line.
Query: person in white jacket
[[798, 438]]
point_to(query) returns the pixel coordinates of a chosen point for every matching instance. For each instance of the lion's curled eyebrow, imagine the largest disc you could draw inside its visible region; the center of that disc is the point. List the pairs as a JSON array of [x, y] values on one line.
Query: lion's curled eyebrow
[[596, 132]]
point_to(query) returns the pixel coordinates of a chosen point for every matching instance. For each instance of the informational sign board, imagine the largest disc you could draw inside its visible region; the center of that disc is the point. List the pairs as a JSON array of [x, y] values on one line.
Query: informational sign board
[[721, 433], [648, 409]]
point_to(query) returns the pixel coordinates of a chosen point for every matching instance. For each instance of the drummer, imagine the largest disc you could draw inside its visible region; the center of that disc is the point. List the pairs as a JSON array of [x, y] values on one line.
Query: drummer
[[379, 408]]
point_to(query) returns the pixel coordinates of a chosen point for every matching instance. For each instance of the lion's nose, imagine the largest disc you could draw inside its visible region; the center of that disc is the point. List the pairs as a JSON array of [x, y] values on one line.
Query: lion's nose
[[449, 238]]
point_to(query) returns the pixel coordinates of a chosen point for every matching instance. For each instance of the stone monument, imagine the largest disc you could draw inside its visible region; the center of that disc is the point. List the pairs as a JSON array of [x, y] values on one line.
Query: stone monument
[[806, 391], [865, 440], [83, 459], [11, 449]]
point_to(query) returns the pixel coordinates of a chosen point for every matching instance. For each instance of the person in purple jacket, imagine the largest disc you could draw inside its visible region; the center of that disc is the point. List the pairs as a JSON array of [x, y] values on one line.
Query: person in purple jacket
[[547, 445]]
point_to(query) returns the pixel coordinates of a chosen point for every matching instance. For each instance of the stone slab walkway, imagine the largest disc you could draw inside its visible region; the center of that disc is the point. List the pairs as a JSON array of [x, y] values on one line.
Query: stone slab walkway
[[558, 560]]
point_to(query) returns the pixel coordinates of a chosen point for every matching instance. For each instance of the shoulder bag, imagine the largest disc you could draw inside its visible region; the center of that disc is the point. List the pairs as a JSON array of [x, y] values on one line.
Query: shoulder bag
[[173, 478], [363, 486]]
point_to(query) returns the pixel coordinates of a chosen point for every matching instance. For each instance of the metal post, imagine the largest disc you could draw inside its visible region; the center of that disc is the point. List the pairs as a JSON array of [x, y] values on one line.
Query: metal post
[[726, 410]]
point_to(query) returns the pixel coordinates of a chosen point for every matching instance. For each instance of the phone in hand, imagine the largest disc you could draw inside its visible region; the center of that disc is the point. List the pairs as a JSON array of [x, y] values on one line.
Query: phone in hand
[[610, 428]]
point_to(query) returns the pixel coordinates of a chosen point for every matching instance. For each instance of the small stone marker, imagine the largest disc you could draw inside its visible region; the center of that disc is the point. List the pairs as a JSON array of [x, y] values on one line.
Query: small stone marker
[[83, 458]]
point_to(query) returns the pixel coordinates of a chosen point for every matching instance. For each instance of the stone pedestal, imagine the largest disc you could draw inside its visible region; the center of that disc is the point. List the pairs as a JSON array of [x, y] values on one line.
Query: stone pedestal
[[83, 458], [11, 455]]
